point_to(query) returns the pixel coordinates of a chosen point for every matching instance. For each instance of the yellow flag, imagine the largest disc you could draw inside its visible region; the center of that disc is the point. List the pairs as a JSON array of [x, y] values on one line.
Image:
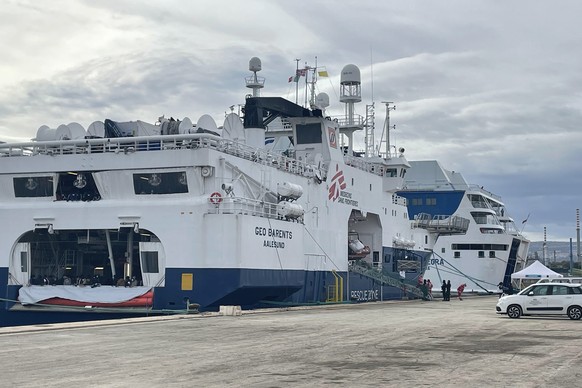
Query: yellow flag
[[322, 73]]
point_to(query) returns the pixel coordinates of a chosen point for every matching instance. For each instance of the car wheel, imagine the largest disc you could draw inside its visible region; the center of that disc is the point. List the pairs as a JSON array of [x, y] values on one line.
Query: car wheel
[[514, 311], [575, 312]]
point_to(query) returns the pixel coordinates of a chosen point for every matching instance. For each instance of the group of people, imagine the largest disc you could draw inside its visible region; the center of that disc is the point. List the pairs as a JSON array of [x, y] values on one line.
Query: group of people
[[426, 288], [446, 290]]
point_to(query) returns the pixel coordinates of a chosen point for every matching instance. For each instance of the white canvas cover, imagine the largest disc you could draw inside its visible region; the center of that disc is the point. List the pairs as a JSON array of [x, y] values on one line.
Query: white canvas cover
[[536, 270]]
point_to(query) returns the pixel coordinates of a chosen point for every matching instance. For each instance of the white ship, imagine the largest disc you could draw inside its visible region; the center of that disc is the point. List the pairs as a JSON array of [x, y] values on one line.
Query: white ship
[[128, 218], [478, 243]]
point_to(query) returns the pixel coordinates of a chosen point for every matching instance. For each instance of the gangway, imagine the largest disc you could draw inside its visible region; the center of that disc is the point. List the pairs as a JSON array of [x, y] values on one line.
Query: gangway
[[385, 279]]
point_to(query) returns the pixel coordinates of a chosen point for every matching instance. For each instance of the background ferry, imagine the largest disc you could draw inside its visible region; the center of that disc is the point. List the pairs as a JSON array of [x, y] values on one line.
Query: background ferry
[[478, 242]]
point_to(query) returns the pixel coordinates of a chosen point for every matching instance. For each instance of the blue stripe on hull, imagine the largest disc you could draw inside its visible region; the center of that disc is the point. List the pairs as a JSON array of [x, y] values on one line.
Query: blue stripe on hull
[[246, 287], [249, 288]]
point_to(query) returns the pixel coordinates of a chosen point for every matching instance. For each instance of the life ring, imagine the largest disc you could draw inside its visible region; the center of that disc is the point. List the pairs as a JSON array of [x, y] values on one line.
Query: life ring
[[215, 198]]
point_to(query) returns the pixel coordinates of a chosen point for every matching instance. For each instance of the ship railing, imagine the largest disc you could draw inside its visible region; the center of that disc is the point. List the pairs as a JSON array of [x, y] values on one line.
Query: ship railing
[[129, 145], [441, 223], [365, 164], [247, 206], [346, 122], [486, 192]]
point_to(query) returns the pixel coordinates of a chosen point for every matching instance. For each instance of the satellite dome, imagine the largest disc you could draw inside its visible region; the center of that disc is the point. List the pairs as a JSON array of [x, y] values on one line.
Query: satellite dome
[[255, 64], [350, 75], [322, 100]]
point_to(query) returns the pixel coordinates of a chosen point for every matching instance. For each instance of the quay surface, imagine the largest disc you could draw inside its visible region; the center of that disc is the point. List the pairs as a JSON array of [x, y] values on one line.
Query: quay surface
[[389, 344]]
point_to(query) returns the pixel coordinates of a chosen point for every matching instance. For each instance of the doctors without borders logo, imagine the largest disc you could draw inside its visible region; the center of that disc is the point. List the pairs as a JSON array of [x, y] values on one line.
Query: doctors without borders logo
[[337, 183], [337, 189]]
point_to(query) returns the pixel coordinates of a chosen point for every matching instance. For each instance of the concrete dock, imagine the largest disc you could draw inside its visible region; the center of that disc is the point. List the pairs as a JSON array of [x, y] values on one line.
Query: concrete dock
[[389, 344]]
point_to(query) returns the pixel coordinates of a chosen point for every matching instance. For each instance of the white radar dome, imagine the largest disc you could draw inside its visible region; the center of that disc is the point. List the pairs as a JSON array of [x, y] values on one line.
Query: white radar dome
[[322, 100], [255, 64], [350, 75]]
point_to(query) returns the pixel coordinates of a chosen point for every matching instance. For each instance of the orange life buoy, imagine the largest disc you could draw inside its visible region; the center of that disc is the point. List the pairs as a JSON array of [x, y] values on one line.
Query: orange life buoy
[[216, 198]]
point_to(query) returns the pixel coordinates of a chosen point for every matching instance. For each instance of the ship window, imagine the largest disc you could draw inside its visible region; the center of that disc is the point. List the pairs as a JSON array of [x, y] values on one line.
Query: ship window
[[492, 254], [431, 201], [308, 133], [36, 186], [481, 254], [23, 261], [160, 183], [370, 187], [352, 181], [442, 250], [391, 172], [426, 239], [150, 262], [457, 255], [77, 186]]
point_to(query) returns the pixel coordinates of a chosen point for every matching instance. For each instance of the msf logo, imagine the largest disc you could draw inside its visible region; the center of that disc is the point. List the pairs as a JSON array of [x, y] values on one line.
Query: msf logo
[[337, 183]]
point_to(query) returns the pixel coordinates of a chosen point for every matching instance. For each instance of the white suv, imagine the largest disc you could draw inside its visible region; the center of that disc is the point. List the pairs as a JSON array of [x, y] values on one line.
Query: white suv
[[544, 299]]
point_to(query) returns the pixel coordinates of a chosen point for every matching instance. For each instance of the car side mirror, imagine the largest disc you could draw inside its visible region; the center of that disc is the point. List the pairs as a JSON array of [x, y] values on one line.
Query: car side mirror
[[530, 293]]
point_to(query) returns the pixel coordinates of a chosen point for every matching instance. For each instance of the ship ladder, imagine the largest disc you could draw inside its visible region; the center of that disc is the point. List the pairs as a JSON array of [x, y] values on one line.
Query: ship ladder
[[335, 292]]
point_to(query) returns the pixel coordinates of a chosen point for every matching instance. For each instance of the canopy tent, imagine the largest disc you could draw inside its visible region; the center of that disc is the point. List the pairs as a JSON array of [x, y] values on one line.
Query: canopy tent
[[536, 270]]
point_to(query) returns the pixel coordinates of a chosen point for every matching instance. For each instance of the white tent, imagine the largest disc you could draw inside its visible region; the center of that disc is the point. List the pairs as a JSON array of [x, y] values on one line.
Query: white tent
[[534, 271]]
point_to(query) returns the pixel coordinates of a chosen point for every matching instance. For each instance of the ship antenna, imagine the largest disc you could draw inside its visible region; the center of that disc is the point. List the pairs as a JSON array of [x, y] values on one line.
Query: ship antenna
[[387, 127], [297, 81]]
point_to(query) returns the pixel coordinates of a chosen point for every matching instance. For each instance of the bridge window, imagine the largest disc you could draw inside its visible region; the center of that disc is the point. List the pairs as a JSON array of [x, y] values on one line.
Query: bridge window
[[160, 183], [308, 133], [34, 186]]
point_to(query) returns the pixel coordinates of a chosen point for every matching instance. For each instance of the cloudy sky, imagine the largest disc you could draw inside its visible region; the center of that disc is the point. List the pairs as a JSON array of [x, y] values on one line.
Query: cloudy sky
[[492, 89]]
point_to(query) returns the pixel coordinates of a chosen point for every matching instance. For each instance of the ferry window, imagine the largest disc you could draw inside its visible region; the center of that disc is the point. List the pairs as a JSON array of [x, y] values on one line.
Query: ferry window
[[442, 250], [391, 172], [370, 187], [492, 254], [481, 254], [352, 181], [431, 201], [37, 186], [160, 183], [308, 133], [457, 255], [426, 239], [150, 262]]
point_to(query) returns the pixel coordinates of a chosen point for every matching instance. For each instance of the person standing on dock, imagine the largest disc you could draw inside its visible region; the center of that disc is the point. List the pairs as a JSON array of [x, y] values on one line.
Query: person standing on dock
[[448, 291], [444, 290], [460, 290], [429, 288]]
